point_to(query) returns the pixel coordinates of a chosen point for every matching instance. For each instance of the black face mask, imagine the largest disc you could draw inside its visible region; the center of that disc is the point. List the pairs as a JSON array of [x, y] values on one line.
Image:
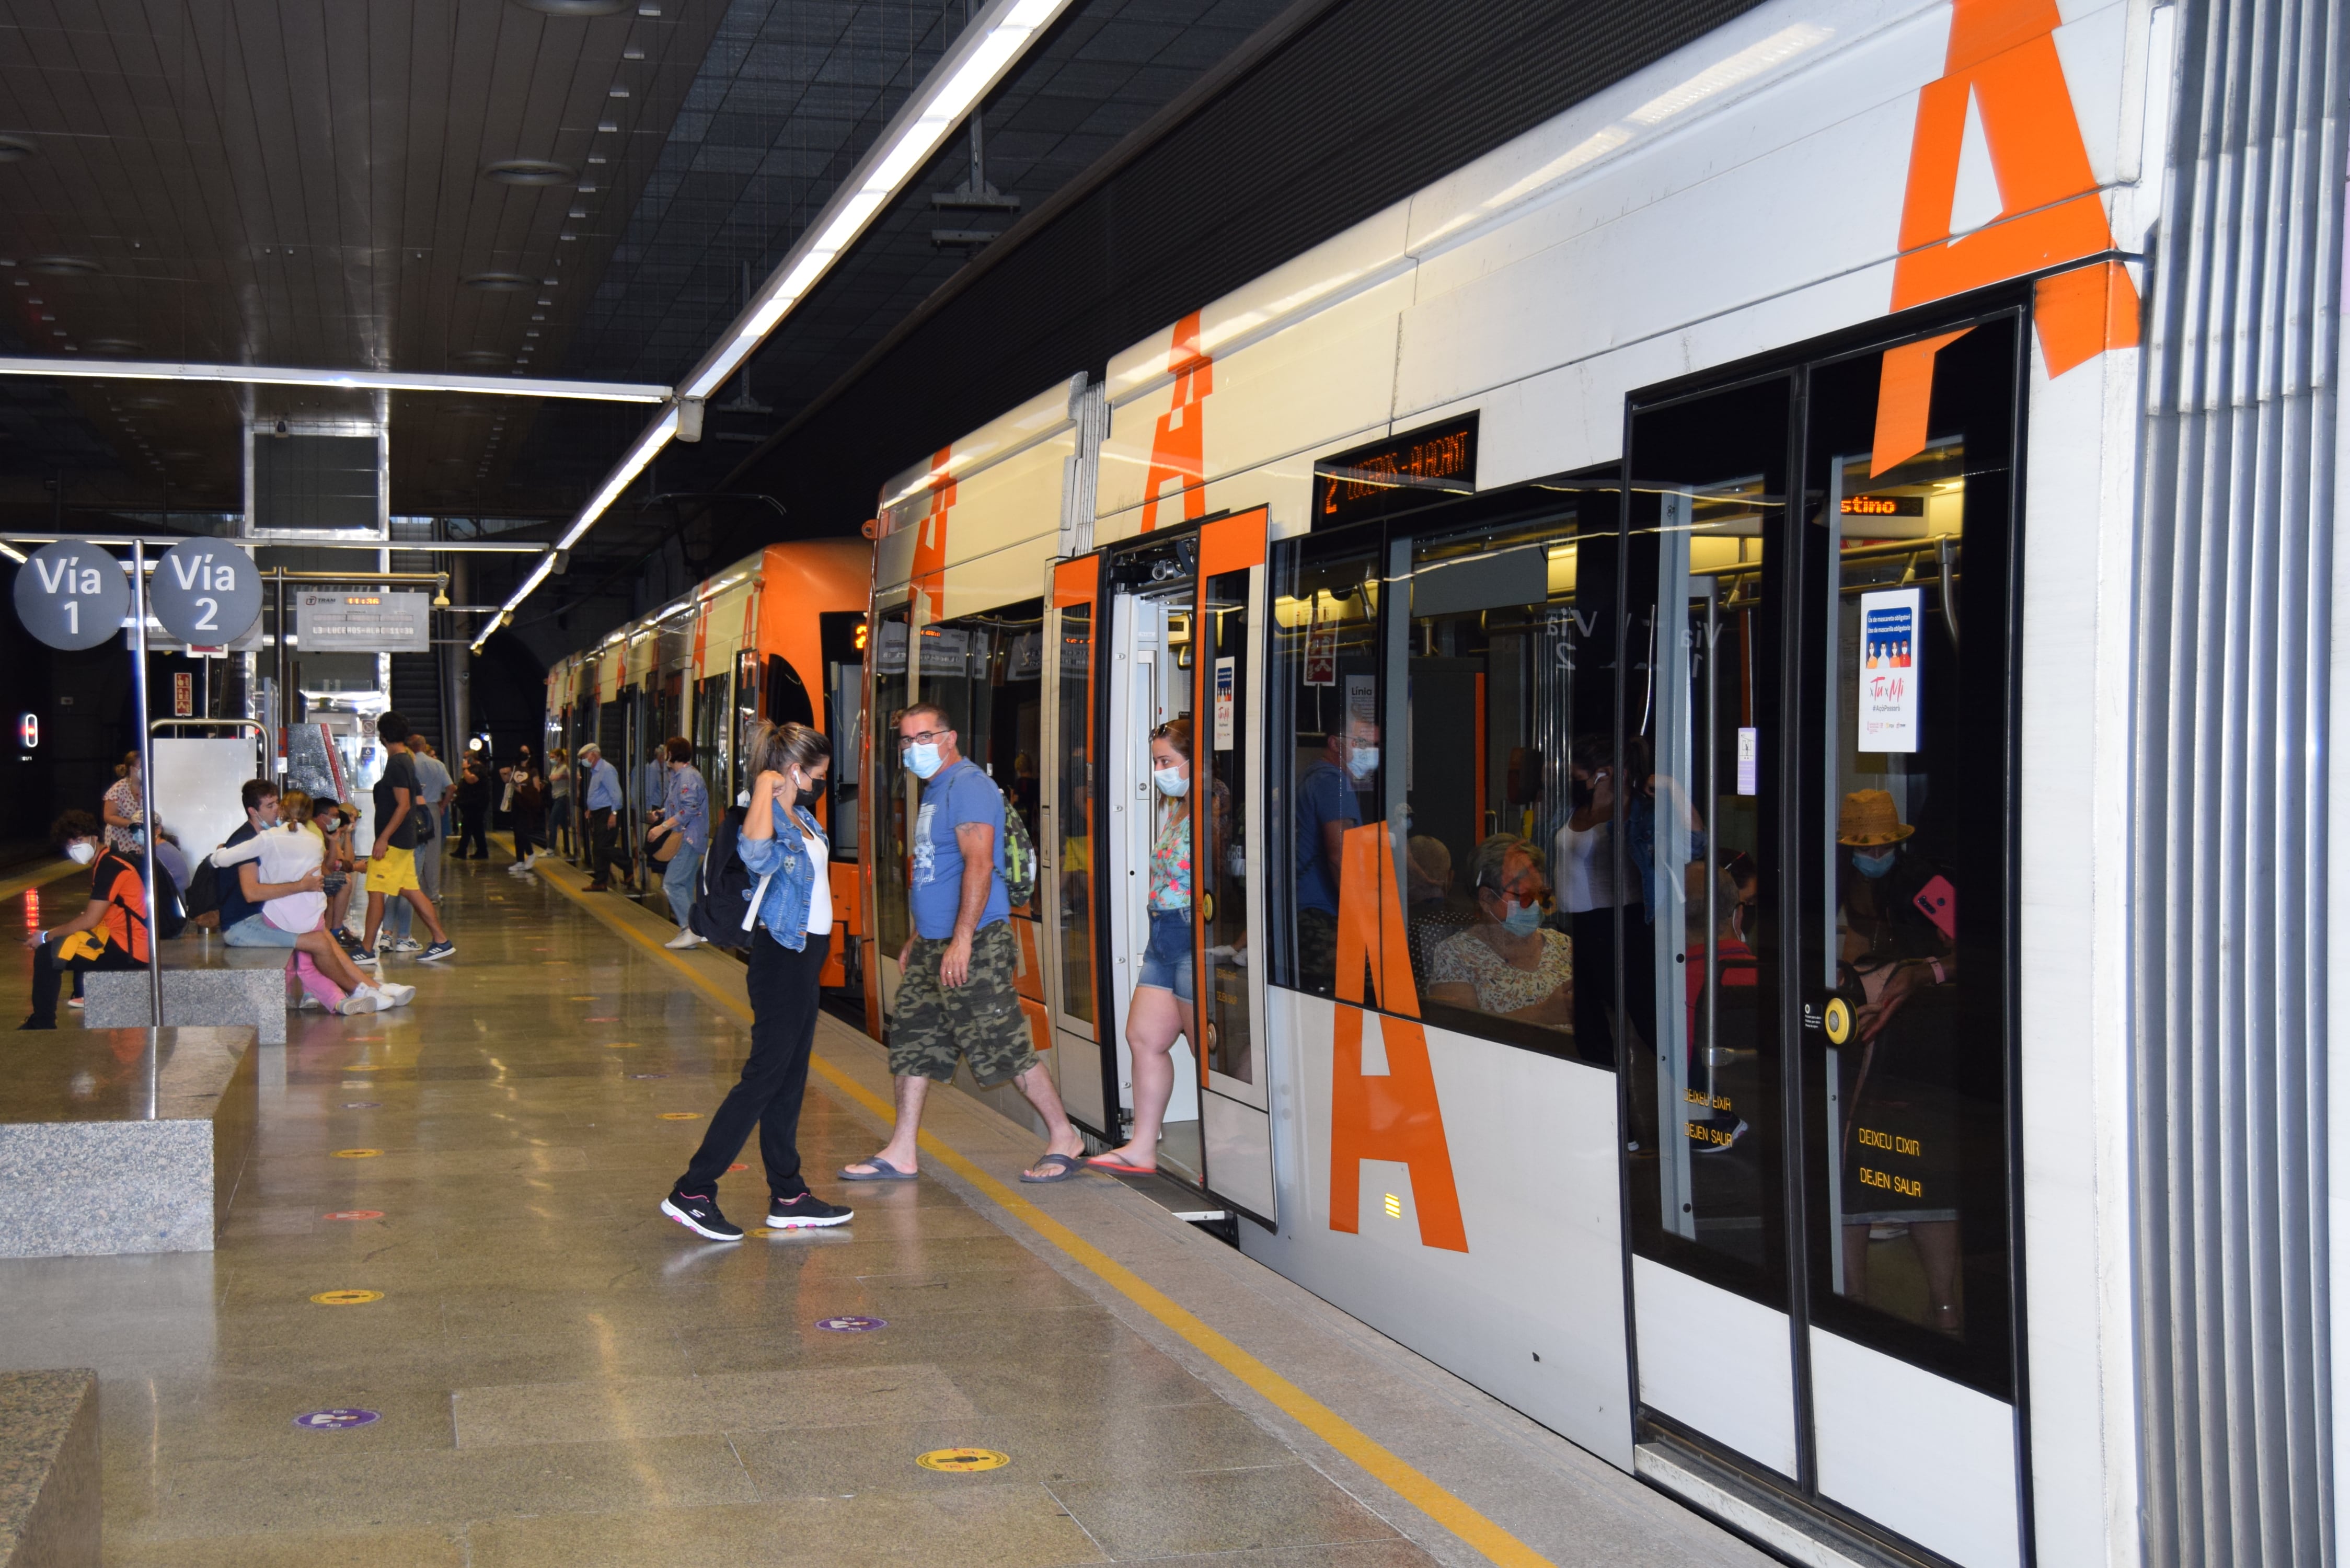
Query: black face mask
[[1578, 793], [813, 791]]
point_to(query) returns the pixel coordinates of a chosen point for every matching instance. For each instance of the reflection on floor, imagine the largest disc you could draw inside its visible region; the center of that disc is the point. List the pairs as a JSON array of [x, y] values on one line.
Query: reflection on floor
[[446, 1256]]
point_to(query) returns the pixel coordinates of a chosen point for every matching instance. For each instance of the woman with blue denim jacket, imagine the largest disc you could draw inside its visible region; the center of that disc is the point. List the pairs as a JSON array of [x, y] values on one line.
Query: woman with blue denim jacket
[[782, 846]]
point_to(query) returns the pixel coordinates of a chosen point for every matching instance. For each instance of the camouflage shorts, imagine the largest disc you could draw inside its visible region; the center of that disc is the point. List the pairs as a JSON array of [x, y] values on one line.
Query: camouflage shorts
[[980, 1019]]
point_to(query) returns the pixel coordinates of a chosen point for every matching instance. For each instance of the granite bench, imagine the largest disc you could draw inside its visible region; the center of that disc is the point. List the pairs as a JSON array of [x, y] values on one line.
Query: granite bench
[[48, 1469], [123, 1140], [205, 983]]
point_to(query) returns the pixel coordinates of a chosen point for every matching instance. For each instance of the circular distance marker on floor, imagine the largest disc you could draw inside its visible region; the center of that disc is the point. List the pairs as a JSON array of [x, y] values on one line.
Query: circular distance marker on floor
[[962, 1461], [860, 1325], [681, 1116], [362, 1104], [357, 1153], [341, 1419], [354, 1214], [347, 1298]]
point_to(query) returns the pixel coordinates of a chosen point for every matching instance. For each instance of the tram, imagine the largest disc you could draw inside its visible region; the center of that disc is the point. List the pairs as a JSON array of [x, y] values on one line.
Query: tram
[[779, 635], [1634, 526]]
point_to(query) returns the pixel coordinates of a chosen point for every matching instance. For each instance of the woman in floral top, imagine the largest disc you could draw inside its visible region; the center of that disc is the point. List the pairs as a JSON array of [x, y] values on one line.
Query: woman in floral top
[[1509, 964], [125, 808], [1161, 1008]]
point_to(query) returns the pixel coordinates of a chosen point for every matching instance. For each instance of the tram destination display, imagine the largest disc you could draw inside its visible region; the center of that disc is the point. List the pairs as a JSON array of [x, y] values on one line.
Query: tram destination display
[[363, 622], [72, 595]]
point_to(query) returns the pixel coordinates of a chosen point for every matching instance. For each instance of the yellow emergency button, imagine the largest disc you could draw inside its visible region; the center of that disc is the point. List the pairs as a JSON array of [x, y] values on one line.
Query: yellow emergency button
[[1838, 1021]]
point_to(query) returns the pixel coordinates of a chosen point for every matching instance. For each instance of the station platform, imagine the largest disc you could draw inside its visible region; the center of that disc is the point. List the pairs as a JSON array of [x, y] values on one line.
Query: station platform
[[445, 1323]]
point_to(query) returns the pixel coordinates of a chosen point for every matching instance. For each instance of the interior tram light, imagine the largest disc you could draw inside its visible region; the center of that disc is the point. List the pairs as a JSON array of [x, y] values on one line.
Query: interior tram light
[[28, 729]]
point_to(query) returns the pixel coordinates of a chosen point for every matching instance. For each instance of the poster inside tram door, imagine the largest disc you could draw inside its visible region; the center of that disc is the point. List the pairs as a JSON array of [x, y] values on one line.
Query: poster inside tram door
[[1892, 675]]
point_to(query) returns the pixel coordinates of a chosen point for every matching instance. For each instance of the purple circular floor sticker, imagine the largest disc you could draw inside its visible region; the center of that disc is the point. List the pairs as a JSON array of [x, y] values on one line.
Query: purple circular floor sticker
[[649, 1074], [851, 1324], [336, 1420], [362, 1104]]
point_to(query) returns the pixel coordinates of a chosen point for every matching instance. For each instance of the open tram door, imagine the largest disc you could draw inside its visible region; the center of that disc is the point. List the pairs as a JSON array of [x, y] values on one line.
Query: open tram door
[[1165, 629]]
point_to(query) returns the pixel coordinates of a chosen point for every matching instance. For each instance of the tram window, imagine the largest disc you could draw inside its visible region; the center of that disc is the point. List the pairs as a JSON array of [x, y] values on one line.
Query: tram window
[[892, 924], [988, 672], [712, 737], [1325, 761], [1912, 1251], [788, 699], [1509, 893]]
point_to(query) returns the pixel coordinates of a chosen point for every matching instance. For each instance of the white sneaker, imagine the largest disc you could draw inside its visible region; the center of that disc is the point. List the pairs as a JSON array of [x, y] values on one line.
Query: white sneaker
[[682, 941], [397, 995], [408, 945], [366, 999]]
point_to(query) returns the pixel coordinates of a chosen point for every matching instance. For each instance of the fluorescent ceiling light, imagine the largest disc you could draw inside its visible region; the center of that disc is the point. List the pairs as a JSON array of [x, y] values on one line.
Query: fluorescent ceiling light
[[988, 46], [358, 380]]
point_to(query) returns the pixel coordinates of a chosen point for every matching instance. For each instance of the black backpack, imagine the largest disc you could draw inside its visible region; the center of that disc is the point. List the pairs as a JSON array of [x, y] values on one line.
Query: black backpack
[[723, 887], [202, 895], [171, 909]]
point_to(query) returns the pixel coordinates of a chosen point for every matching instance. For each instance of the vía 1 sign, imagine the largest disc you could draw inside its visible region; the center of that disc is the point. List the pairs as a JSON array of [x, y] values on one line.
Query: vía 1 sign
[[72, 595], [1892, 677]]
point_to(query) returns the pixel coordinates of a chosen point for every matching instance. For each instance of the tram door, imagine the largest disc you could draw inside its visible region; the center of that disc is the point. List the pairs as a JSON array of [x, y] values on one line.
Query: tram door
[[1161, 634], [1812, 765]]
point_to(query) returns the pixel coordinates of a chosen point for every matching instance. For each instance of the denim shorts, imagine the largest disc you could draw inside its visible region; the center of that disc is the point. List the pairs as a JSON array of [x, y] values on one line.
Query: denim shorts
[[255, 931], [1167, 960]]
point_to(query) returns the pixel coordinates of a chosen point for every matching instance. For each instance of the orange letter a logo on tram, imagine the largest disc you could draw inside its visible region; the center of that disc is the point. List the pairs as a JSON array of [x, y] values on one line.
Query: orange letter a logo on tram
[[1394, 1117], [2003, 79], [1178, 442], [929, 573]]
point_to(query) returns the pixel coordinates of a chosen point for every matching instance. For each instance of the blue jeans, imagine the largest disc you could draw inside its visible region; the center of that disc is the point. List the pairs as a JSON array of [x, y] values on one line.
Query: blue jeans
[[677, 881]]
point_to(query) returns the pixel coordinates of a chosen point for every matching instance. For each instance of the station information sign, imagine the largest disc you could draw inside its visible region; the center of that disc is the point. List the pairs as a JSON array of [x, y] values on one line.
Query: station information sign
[[373, 622], [1365, 481]]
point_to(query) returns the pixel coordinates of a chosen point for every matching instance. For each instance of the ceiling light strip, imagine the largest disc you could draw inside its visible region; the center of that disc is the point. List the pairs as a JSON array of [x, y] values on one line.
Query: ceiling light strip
[[988, 48], [354, 380]]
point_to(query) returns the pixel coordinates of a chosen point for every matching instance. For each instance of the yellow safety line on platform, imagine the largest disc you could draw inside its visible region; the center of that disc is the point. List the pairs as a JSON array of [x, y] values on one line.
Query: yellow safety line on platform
[[1405, 1480], [41, 879]]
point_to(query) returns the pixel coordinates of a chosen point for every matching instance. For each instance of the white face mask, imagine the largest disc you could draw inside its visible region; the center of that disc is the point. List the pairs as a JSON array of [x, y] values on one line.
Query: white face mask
[[742, 797], [82, 852], [1362, 761], [1171, 782]]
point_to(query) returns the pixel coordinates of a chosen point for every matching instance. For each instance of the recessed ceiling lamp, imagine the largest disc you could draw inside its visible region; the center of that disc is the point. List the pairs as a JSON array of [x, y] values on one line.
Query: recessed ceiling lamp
[[575, 7], [518, 171], [499, 282], [62, 266], [480, 357], [113, 345], [16, 148]]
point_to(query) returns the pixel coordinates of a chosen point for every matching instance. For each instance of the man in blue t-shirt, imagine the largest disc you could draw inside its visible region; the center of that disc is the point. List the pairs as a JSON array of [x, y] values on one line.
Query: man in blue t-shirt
[[1329, 801], [957, 995]]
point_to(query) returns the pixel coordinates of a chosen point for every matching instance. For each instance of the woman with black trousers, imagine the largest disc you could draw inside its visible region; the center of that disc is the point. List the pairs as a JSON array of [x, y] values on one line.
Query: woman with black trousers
[[473, 810], [782, 846]]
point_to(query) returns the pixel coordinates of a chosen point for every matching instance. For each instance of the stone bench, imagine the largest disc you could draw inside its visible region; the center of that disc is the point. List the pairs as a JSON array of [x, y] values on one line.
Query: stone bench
[[123, 1140], [205, 983], [48, 1469]]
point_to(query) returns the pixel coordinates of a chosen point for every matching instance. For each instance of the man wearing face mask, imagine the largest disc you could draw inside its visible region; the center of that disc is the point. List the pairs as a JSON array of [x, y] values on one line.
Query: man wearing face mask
[[260, 801], [957, 996], [110, 933], [1329, 801], [1509, 964]]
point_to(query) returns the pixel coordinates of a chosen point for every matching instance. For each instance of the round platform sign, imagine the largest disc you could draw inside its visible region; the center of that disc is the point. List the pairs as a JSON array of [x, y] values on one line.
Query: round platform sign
[[962, 1461], [356, 1214], [205, 592], [362, 1104], [71, 594], [681, 1116], [336, 1420], [649, 1074], [357, 1153], [347, 1298], [851, 1324]]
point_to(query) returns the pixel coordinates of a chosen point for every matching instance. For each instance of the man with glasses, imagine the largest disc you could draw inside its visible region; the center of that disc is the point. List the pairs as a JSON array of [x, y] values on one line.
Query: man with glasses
[[956, 997]]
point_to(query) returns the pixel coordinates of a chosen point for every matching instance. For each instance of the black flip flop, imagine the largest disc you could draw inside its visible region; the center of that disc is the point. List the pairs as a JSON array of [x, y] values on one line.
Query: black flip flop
[[1068, 1166]]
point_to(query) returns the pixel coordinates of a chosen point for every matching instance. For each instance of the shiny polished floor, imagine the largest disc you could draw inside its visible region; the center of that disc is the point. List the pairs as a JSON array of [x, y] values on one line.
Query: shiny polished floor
[[561, 1376]]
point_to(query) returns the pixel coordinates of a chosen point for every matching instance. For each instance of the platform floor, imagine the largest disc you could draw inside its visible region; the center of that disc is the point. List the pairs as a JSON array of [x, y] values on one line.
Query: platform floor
[[562, 1376]]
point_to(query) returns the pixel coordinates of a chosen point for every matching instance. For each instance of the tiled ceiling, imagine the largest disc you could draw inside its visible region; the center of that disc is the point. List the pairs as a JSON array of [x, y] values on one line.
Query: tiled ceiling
[[307, 182]]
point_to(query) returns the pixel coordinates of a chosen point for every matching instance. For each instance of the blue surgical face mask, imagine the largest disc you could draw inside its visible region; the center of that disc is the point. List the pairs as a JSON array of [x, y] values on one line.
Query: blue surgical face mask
[[1363, 761], [1171, 782], [922, 759], [1872, 863], [1521, 919]]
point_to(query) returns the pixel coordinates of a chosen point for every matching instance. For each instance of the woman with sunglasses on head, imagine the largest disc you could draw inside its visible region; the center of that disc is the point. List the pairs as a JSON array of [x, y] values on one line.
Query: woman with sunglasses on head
[[1162, 1007], [789, 932]]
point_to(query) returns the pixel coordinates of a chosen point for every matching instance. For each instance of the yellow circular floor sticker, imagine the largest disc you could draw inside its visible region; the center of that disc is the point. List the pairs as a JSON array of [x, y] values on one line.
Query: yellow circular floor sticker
[[355, 1068], [958, 1461], [620, 1046], [357, 1153], [1838, 1021], [681, 1116], [347, 1298]]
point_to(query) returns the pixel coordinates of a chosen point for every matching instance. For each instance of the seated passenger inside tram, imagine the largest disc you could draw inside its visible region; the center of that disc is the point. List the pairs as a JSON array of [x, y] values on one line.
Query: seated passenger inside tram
[[1434, 909], [1508, 964]]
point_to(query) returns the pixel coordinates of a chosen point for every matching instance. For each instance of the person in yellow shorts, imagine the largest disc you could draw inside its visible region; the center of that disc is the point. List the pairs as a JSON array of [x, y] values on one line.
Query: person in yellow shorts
[[391, 862]]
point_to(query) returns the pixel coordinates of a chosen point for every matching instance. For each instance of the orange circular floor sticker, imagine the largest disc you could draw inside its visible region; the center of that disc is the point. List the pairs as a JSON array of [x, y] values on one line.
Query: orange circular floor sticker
[[357, 1153], [347, 1298], [962, 1461], [681, 1116]]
